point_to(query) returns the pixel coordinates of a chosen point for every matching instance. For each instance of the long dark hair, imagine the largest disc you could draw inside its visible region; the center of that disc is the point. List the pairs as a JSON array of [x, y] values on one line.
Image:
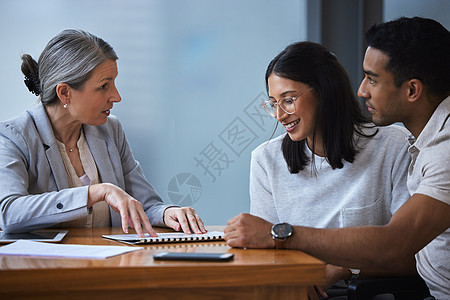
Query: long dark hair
[[338, 114]]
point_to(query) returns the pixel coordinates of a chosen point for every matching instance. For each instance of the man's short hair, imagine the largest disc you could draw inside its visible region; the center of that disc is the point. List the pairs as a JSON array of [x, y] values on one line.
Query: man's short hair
[[418, 48]]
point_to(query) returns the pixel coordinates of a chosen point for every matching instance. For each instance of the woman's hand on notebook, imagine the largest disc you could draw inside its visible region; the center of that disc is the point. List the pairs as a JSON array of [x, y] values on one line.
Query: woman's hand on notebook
[[130, 209], [185, 219]]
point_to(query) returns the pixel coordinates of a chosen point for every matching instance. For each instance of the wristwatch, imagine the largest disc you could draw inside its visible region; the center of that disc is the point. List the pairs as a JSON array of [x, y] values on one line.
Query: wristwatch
[[355, 274], [280, 233]]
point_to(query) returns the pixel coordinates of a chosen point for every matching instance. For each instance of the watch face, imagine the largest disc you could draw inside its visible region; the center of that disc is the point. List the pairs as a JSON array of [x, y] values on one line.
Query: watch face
[[355, 271], [282, 230]]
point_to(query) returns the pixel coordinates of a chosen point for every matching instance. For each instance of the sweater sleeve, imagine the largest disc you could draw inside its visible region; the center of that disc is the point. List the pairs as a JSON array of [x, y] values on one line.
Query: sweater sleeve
[[261, 198], [399, 175]]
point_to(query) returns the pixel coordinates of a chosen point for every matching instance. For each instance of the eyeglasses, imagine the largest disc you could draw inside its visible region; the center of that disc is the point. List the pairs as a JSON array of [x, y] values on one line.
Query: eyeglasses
[[286, 104]]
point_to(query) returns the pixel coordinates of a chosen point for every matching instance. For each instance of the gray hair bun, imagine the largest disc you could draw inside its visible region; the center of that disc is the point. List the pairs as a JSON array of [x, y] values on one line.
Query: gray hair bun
[[31, 71]]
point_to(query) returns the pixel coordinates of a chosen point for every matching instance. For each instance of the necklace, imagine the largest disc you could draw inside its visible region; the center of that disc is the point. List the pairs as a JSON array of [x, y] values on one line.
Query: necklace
[[71, 148]]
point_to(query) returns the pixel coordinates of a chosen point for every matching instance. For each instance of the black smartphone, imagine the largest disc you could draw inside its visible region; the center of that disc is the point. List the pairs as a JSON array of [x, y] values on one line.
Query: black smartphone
[[193, 256]]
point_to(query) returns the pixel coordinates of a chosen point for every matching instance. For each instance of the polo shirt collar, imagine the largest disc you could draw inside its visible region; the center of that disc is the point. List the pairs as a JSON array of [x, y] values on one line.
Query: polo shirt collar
[[434, 125]]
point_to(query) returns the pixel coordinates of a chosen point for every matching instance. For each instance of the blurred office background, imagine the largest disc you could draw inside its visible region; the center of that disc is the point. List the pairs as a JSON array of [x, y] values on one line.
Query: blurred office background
[[191, 76]]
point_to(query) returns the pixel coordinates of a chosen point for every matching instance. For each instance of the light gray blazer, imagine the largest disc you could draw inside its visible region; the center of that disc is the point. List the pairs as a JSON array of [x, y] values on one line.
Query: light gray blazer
[[34, 190]]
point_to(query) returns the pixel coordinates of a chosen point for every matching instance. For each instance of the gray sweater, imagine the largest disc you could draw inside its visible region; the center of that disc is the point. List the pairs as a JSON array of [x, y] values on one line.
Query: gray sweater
[[365, 192]]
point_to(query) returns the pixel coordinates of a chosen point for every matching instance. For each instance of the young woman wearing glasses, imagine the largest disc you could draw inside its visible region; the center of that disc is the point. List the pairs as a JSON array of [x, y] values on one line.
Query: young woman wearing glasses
[[333, 168]]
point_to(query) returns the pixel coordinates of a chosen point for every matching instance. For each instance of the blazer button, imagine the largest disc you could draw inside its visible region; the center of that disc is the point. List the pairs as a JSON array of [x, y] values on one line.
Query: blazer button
[[59, 206]]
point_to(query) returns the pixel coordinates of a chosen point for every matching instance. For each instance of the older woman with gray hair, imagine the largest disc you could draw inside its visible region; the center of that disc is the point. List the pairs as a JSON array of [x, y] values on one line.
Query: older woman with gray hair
[[67, 163]]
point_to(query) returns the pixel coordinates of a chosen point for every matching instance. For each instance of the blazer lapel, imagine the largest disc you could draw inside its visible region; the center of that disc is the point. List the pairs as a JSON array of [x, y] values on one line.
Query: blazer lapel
[[51, 146], [57, 166], [99, 149]]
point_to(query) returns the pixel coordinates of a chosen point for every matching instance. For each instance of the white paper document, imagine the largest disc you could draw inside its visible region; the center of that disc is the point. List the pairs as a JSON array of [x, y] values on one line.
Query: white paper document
[[30, 248]]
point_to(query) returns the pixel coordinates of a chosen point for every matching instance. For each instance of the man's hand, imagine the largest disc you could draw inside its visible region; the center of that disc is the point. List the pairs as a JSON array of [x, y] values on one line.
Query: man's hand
[[248, 231], [333, 274]]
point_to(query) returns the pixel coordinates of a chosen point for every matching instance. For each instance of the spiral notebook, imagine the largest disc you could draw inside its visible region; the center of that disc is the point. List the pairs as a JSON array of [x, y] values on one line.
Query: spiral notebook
[[171, 237]]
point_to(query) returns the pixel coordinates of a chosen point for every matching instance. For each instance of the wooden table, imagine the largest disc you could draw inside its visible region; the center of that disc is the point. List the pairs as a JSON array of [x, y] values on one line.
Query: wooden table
[[253, 274]]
